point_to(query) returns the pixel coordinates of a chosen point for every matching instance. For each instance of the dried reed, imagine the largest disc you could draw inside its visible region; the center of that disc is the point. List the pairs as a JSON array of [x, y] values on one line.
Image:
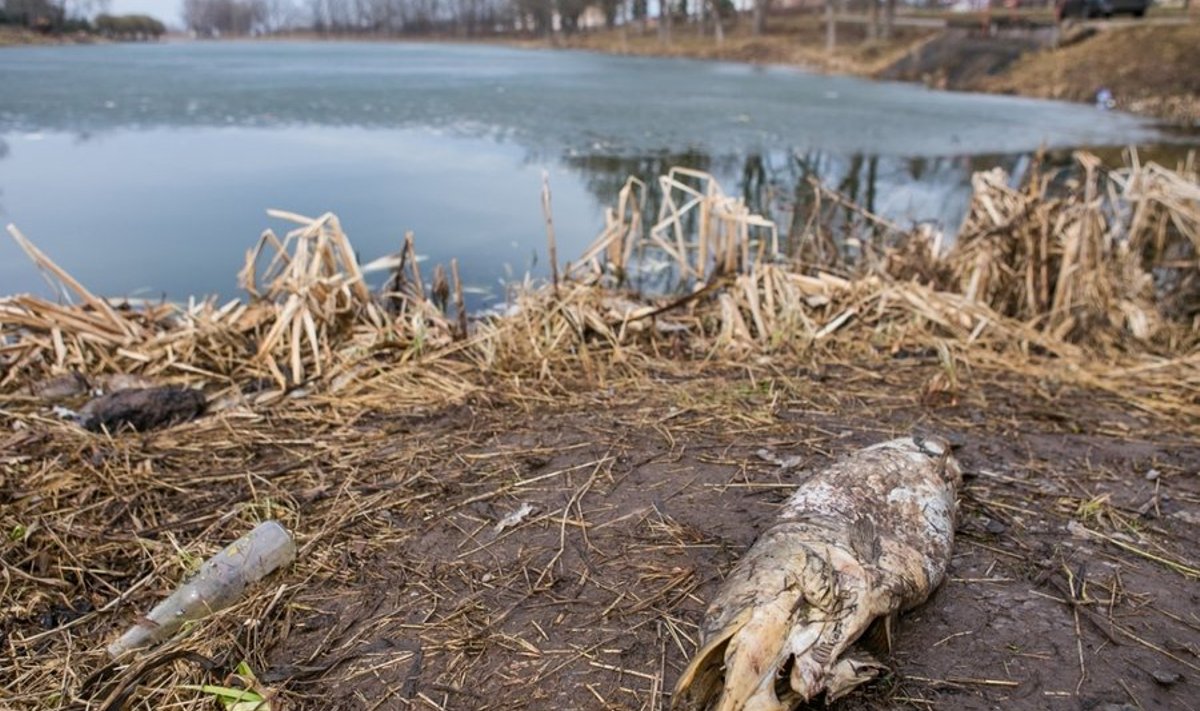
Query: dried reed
[[1108, 265]]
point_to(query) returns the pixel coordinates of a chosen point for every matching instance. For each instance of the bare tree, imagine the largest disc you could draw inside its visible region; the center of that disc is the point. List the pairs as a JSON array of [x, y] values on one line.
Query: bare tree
[[53, 15], [759, 16], [718, 22], [639, 10], [537, 15], [610, 9], [569, 12], [225, 17], [830, 27], [280, 15]]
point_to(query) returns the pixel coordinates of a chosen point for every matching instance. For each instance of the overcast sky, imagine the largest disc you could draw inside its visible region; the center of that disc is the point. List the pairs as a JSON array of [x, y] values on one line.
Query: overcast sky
[[165, 10]]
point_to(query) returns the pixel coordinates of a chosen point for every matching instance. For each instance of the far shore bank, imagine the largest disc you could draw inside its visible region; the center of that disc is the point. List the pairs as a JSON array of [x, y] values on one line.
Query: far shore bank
[[21, 37], [1155, 84]]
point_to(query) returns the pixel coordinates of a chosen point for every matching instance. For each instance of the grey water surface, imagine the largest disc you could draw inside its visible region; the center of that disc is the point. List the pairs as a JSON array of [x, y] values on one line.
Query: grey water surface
[[145, 170]]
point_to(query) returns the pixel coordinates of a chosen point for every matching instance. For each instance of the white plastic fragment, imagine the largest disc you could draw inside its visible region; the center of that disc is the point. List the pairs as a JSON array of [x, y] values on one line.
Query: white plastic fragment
[[514, 518], [64, 413]]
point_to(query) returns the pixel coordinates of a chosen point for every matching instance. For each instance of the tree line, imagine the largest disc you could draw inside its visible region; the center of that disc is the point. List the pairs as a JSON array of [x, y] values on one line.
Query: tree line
[[129, 27], [486, 17], [50, 15], [70, 16]]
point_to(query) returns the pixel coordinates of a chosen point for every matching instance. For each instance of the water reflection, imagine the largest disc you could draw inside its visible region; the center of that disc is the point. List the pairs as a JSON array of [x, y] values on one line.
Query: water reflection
[[800, 189], [170, 211], [779, 184]]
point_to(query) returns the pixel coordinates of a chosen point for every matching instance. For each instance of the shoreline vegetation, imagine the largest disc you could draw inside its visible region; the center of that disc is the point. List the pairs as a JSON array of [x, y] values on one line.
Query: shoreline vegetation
[[23, 37], [644, 438], [1108, 266]]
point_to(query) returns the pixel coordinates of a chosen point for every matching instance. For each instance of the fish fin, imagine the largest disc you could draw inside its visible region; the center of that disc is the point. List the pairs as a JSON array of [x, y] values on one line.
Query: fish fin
[[754, 657], [878, 637], [851, 671], [702, 680]]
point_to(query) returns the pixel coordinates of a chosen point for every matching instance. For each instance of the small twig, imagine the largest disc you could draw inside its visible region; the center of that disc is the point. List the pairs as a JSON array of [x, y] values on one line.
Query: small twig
[[551, 243], [1184, 570], [411, 256], [460, 305]]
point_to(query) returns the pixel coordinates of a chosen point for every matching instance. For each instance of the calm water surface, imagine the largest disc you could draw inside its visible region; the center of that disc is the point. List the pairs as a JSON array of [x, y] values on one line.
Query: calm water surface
[[146, 169]]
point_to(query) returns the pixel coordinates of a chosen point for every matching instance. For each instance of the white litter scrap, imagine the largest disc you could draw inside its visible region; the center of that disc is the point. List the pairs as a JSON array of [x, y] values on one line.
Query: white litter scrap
[[515, 518]]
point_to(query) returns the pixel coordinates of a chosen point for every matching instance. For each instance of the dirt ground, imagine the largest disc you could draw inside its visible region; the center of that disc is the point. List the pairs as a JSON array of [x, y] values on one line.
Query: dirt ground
[[959, 61], [1073, 584], [19, 36]]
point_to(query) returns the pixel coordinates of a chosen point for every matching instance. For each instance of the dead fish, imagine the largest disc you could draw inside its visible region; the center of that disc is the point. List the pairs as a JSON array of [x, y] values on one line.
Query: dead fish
[[858, 542]]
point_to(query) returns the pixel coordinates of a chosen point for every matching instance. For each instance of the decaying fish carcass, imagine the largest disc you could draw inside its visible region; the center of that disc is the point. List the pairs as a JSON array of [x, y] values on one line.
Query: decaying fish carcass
[[863, 539]]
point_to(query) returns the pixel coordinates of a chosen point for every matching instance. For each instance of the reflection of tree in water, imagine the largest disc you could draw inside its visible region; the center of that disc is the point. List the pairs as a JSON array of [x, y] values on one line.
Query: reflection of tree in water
[[3, 154], [906, 191], [779, 184], [605, 175]]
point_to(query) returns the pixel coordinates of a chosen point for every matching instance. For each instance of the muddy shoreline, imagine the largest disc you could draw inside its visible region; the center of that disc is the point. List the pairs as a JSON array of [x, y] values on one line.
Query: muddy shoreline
[[643, 493]]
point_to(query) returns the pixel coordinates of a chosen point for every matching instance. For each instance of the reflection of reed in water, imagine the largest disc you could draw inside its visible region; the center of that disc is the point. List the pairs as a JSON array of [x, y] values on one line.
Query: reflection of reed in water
[[779, 185]]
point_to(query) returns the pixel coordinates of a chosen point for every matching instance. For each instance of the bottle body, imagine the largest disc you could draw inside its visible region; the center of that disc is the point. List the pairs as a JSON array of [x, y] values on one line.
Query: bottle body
[[220, 582]]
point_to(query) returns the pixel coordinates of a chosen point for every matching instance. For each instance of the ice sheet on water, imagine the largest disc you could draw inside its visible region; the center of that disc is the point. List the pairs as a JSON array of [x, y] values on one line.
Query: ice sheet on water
[[542, 99]]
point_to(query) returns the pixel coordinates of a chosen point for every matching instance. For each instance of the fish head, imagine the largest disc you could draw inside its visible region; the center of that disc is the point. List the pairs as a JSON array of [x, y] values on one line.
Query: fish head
[[940, 449]]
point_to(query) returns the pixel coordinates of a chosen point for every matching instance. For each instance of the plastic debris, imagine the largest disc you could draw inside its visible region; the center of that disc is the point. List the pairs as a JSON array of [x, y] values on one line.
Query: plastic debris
[[221, 582], [515, 518]]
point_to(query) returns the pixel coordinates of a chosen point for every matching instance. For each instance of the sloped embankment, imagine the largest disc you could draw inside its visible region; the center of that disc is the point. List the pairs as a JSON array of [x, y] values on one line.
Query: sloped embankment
[[1149, 69], [959, 60]]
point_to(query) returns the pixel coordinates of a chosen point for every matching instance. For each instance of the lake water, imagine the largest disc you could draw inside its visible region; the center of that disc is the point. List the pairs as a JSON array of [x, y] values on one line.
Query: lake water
[[145, 170]]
